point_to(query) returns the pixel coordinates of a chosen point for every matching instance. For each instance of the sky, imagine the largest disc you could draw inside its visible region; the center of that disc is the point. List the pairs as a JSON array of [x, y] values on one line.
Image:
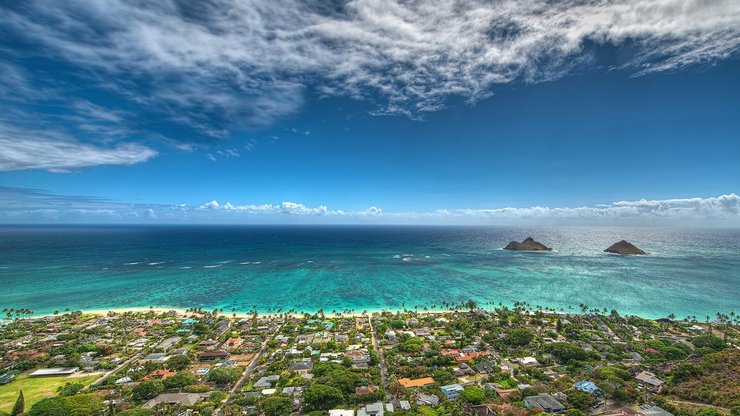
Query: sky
[[370, 111]]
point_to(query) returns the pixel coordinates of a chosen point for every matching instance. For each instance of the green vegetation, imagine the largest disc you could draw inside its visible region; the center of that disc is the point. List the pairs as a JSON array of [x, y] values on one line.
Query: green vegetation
[[713, 380], [277, 406], [80, 405], [322, 397], [148, 390], [34, 389]]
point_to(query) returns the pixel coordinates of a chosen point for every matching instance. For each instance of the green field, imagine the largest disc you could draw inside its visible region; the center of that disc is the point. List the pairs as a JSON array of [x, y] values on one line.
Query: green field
[[35, 389]]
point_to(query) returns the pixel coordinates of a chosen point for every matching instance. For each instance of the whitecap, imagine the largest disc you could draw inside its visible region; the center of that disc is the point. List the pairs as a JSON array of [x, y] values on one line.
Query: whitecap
[[131, 264], [246, 262], [154, 263], [406, 259], [212, 266], [185, 267], [397, 256]]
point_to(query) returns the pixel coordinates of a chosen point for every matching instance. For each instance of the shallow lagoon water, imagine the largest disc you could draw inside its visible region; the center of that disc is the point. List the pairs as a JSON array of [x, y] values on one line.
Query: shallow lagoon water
[[687, 272]]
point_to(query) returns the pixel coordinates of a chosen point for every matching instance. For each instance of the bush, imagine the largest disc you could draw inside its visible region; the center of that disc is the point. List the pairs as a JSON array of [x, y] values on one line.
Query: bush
[[70, 389], [180, 380], [148, 390], [709, 341], [472, 394]]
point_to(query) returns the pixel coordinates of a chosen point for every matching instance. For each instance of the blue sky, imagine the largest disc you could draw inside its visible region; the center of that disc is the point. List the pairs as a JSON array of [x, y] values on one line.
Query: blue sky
[[370, 111]]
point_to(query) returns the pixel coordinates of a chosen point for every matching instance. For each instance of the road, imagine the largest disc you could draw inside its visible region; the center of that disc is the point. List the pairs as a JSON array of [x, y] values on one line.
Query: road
[[381, 355], [252, 365], [115, 370]]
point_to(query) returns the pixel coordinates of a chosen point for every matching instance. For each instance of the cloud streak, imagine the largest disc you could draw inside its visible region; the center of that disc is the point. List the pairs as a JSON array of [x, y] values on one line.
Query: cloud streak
[[19, 205], [42, 149], [208, 68]]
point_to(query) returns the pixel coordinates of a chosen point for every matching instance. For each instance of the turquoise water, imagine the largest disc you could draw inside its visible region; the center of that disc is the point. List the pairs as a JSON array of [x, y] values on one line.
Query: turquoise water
[[688, 272]]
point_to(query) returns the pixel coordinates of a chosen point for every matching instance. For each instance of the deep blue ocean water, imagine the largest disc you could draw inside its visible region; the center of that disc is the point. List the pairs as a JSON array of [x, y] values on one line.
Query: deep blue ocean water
[[687, 271]]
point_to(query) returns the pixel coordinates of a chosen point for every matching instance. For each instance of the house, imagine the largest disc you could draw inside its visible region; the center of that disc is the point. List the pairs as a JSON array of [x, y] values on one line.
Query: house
[[301, 367], [419, 382], [160, 375], [649, 380], [528, 361], [427, 400], [168, 343], [266, 382], [480, 410], [544, 402], [651, 410], [452, 391], [342, 412], [233, 343], [365, 390], [374, 409], [123, 380], [213, 355], [404, 405], [54, 372], [184, 399], [586, 387]]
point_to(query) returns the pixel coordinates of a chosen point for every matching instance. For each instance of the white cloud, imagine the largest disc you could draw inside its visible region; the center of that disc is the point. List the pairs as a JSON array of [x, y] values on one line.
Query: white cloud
[[28, 149], [19, 205], [212, 65]]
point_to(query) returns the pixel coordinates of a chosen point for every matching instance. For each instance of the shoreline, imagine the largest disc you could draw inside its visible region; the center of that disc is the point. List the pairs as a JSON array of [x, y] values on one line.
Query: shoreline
[[160, 310]]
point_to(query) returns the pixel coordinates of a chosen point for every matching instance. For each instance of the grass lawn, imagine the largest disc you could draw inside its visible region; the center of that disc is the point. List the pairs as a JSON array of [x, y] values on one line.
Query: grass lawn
[[35, 389]]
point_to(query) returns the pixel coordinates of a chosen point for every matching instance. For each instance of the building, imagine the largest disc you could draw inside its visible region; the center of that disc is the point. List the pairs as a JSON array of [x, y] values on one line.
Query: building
[[651, 410], [342, 412], [301, 367], [266, 382], [427, 400], [419, 382], [184, 399], [54, 372], [452, 391], [544, 402], [586, 387], [649, 380], [213, 355]]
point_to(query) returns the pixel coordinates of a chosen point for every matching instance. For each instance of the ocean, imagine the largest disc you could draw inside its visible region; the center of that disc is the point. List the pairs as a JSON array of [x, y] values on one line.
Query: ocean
[[358, 268]]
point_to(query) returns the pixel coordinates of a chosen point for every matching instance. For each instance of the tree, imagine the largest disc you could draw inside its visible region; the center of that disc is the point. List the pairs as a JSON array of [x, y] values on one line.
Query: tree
[[520, 337], [224, 375], [179, 380], [579, 399], [79, 405], [137, 412], [19, 406], [277, 406], [148, 390], [472, 394], [709, 341], [322, 397], [70, 389], [217, 397], [178, 362]]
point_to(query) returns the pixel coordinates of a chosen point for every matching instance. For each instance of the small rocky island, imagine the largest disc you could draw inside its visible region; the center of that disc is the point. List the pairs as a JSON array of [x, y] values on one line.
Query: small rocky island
[[527, 245], [624, 247]]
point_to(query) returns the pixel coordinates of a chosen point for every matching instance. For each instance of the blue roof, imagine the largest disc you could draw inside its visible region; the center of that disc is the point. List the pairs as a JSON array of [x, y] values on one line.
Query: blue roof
[[586, 386]]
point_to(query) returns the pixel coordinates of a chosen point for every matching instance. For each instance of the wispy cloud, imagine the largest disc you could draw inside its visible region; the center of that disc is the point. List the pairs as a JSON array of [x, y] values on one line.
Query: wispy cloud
[[19, 205], [213, 66], [21, 148]]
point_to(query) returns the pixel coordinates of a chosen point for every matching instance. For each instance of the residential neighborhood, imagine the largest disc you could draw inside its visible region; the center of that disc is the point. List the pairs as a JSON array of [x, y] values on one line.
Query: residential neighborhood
[[468, 361]]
